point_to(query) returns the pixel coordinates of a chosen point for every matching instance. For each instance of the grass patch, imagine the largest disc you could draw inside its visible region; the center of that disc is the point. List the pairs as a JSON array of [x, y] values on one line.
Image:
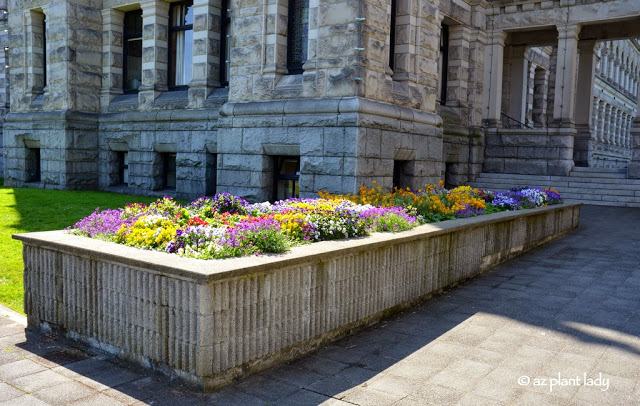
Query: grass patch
[[27, 210]]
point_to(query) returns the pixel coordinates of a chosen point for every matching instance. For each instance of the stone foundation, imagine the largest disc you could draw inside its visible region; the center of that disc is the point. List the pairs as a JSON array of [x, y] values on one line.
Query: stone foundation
[[343, 143], [212, 321], [529, 151]]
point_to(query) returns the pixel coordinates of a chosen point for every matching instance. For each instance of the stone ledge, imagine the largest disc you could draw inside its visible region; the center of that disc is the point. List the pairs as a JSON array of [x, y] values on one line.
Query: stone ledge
[[344, 105], [212, 321]]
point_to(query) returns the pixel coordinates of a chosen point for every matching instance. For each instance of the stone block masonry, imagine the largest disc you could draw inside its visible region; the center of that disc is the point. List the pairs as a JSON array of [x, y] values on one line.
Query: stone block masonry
[[212, 321]]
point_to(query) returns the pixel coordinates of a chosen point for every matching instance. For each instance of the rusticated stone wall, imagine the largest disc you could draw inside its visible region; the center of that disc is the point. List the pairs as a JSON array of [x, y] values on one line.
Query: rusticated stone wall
[[212, 321]]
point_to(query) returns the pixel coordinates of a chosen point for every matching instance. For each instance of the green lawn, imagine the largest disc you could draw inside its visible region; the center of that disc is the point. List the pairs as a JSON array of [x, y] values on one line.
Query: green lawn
[[25, 210]]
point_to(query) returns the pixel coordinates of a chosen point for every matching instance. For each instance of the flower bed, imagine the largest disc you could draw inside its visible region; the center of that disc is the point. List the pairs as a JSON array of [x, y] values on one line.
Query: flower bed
[[213, 321], [227, 226]]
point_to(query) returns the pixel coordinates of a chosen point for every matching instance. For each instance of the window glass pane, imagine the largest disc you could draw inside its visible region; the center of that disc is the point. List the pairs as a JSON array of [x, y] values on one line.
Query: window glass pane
[[132, 50], [225, 44], [124, 167], [297, 35], [181, 43], [287, 175]]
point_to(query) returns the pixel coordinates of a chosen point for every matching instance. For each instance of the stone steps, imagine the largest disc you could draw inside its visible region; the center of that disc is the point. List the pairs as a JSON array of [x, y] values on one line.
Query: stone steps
[[597, 186]]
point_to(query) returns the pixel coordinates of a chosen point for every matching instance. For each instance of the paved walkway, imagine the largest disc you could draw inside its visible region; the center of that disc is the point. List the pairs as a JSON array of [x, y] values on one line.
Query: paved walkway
[[527, 333]]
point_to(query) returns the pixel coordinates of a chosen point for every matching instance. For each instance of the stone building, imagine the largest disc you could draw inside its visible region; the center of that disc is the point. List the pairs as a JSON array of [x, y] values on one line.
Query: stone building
[[278, 98]]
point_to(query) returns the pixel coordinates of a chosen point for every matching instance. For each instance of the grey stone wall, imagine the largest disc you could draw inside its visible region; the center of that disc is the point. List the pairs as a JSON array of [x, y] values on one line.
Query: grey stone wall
[[349, 116], [343, 143], [68, 144], [190, 134], [213, 321], [545, 151]]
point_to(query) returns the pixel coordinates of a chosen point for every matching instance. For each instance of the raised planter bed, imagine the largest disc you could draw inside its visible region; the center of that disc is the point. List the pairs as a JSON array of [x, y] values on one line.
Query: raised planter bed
[[212, 321]]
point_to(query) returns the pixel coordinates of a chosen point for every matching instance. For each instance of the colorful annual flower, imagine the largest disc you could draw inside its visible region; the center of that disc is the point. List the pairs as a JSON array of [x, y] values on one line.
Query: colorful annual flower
[[226, 226]]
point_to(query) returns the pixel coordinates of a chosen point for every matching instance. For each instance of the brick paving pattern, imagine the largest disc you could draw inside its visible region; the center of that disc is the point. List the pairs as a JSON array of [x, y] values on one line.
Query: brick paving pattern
[[565, 311]]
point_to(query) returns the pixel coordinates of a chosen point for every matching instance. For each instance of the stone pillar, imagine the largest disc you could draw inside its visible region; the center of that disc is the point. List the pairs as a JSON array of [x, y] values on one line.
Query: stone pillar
[[457, 82], [540, 89], [565, 96], [519, 75], [493, 73], [607, 126], [594, 117], [604, 61], [207, 61], [585, 138], [625, 131], [586, 74], [617, 127], [531, 73], [155, 32], [611, 69], [275, 62], [476, 85], [112, 48], [601, 123]]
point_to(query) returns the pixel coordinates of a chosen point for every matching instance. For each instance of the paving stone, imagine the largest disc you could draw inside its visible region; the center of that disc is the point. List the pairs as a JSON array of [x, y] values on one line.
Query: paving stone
[[348, 378], [97, 399], [38, 381], [473, 399], [264, 387], [24, 400], [64, 393], [8, 392], [453, 380], [19, 368], [618, 392], [432, 395], [320, 365], [304, 397], [292, 375], [365, 396]]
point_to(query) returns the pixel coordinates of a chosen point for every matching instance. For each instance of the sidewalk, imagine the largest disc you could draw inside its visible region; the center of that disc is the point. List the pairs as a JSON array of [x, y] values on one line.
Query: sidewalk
[[557, 326]]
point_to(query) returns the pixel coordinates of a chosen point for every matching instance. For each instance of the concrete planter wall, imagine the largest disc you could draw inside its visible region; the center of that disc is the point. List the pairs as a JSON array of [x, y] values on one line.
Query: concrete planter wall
[[212, 321]]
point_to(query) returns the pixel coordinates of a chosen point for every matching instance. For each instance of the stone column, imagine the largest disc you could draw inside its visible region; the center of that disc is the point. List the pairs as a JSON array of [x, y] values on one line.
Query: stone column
[[494, 57], [531, 74], [625, 131], [601, 124], [457, 83], [616, 127], [275, 62], [540, 89], [476, 85], [112, 48], [607, 126], [586, 74], [565, 96], [594, 118], [519, 75], [207, 61], [610, 70], [604, 61], [155, 32]]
